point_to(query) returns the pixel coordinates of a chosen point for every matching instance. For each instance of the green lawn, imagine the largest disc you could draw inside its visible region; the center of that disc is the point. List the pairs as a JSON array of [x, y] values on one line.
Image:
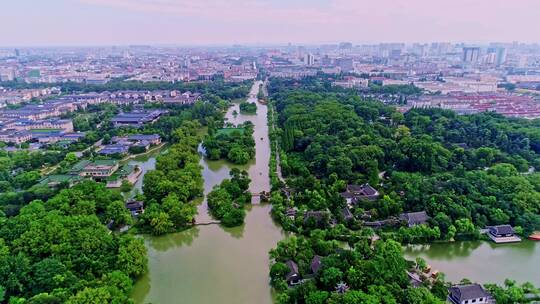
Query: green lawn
[[228, 131], [44, 130]]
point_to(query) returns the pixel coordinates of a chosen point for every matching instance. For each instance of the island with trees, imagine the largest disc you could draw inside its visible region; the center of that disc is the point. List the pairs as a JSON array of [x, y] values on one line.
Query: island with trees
[[236, 144], [226, 201], [248, 107]]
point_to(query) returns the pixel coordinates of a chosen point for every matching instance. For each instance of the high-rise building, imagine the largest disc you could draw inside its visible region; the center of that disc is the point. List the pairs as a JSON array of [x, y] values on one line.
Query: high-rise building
[[309, 59], [497, 55], [7, 75], [501, 56], [471, 54], [345, 64]]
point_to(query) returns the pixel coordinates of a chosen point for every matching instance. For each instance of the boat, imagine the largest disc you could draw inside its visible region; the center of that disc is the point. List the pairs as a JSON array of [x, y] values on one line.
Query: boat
[[535, 236]]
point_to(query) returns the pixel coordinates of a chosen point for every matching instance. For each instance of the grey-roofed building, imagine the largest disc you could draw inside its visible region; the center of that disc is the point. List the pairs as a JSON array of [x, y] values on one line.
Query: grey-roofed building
[[414, 218], [137, 118], [354, 193], [153, 139], [503, 234], [114, 149], [293, 277], [15, 136], [135, 207], [468, 294]]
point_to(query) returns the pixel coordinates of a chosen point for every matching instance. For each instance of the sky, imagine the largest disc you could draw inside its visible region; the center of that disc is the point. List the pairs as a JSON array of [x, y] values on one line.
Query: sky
[[251, 22]]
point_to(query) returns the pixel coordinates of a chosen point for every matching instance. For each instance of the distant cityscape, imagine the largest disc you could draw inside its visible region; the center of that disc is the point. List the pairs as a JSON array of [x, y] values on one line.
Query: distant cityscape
[[500, 77]]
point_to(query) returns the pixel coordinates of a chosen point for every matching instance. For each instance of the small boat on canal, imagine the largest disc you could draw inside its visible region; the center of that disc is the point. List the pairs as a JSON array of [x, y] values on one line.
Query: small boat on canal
[[535, 236]]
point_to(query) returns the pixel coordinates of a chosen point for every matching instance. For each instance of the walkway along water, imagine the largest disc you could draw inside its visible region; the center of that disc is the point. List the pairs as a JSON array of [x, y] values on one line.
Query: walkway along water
[[209, 263]]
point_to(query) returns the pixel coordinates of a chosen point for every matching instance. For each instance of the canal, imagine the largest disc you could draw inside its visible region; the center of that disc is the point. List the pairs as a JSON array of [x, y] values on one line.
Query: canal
[[213, 264], [482, 261]]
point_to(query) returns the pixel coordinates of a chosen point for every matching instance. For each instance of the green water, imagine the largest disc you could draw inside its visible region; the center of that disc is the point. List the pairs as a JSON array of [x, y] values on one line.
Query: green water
[[482, 261], [213, 264], [145, 162]]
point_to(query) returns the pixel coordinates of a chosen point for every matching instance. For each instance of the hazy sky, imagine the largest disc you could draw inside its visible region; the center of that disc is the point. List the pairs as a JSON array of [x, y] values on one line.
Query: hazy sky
[[119, 22]]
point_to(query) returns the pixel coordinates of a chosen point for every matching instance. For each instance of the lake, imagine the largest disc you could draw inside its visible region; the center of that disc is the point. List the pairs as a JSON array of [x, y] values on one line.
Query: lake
[[482, 261]]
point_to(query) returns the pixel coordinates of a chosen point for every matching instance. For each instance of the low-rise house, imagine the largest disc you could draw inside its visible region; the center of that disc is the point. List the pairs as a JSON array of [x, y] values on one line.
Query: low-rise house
[[184, 98], [137, 118], [14, 136], [73, 136], [96, 169], [114, 149], [293, 277], [135, 207], [469, 294], [291, 213], [503, 234], [414, 218], [46, 136], [354, 193], [153, 139], [59, 137], [65, 125]]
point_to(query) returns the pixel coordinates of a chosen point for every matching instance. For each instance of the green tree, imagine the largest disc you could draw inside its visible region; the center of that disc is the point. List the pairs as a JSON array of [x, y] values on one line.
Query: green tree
[[132, 256], [161, 223]]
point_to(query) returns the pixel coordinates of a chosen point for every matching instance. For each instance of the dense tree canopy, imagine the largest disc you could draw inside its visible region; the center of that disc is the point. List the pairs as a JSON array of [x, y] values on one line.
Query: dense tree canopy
[[226, 201], [234, 144], [60, 251], [466, 172]]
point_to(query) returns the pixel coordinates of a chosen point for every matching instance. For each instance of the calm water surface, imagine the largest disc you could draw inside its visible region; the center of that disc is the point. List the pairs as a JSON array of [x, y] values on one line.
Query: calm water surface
[[482, 261], [213, 264]]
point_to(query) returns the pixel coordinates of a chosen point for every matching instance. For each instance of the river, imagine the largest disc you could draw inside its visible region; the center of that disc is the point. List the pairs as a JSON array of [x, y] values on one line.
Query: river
[[482, 261], [213, 264]]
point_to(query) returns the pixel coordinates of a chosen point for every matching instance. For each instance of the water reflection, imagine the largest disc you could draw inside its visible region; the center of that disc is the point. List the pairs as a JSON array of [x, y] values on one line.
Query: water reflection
[[482, 261], [170, 241]]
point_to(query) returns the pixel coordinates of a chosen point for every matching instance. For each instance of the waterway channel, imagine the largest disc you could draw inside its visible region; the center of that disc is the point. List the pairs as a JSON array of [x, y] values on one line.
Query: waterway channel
[[213, 264]]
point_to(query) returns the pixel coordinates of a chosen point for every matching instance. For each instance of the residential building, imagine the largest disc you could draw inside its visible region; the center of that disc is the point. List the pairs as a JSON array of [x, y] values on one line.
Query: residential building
[[354, 193], [503, 234], [137, 118], [471, 54], [469, 294], [135, 207], [14, 136], [414, 218], [293, 277], [96, 169]]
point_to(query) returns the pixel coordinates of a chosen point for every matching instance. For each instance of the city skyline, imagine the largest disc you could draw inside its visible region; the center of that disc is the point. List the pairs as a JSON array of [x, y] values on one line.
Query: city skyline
[[264, 22]]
